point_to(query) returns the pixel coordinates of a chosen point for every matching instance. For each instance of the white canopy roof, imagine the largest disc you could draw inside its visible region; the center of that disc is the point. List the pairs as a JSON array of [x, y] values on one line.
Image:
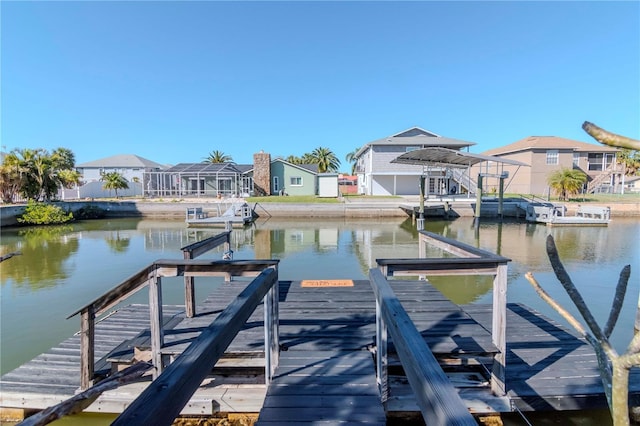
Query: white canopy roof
[[449, 157]]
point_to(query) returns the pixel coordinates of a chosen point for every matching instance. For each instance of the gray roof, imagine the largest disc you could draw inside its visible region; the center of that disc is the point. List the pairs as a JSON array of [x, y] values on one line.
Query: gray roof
[[122, 161], [312, 168], [416, 136], [205, 168], [449, 157]]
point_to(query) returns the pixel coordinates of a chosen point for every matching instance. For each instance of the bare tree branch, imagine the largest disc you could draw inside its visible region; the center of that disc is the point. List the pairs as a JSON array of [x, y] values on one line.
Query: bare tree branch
[[634, 345], [555, 305], [609, 138], [621, 290], [576, 297]]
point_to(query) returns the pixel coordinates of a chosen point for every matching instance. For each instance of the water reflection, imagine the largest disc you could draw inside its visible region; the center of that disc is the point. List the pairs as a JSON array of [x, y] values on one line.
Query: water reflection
[[42, 263], [63, 268]]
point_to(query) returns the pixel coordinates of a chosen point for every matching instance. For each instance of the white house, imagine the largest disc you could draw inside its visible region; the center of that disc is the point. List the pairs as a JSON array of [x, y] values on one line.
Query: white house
[[378, 176], [131, 167]]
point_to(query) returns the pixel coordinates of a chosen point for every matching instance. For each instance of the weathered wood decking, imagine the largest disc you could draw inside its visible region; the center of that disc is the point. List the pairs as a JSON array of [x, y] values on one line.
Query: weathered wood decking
[[323, 332], [548, 366]]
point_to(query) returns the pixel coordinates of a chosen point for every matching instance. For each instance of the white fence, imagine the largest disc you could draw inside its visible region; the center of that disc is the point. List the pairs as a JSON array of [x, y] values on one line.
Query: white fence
[[95, 190]]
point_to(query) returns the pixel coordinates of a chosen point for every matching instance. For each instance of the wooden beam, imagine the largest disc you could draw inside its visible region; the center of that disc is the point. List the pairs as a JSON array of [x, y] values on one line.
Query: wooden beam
[[189, 291], [441, 266], [120, 292], [87, 351], [172, 268], [155, 324], [203, 246], [271, 333], [456, 247], [161, 402], [382, 358], [499, 331], [478, 199], [438, 400], [9, 255]]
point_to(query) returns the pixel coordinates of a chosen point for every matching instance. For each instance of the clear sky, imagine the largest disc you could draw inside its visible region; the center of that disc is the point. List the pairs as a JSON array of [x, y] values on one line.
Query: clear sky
[[173, 81]]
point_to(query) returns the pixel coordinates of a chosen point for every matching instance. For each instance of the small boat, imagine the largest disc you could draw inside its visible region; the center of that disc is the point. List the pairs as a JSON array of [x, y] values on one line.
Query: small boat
[[555, 216], [235, 214]]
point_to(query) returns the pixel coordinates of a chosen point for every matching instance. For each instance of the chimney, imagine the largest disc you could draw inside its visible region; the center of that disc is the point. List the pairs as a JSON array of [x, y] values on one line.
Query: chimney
[[262, 174]]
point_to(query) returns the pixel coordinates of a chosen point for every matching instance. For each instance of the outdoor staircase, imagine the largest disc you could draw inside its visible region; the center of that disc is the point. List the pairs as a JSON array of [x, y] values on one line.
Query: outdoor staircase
[[465, 180], [604, 178]]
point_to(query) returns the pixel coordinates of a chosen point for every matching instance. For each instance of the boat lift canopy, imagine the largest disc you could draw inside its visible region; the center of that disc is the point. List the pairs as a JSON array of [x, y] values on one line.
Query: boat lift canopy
[[449, 157]]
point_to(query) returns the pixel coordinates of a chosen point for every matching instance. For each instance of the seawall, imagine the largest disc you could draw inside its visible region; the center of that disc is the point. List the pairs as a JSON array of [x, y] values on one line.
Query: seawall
[[349, 209]]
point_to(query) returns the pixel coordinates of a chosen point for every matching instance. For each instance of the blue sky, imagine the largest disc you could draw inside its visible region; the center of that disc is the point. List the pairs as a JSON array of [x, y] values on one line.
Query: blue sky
[[173, 81]]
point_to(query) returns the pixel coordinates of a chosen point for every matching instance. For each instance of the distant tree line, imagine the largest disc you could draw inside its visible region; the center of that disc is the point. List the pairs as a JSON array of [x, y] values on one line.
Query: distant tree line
[[37, 174], [325, 158]]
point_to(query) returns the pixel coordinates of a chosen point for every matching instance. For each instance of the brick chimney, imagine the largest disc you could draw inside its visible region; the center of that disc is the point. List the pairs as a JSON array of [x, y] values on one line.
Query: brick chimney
[[262, 174]]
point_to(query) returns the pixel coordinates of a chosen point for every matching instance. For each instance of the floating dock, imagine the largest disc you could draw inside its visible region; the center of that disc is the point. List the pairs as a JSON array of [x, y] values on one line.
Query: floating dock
[[553, 215], [336, 347], [235, 214]]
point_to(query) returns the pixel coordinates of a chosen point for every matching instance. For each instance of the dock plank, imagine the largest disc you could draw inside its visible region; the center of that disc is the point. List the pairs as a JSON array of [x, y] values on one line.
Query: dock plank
[[549, 367], [336, 387]]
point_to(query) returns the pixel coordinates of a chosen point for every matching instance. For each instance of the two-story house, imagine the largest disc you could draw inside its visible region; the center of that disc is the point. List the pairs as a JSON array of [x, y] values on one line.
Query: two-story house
[[132, 167], [377, 175], [546, 154]]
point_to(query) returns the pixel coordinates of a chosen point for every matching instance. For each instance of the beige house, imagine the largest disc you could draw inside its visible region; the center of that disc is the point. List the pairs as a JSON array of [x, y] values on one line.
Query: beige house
[[546, 154]]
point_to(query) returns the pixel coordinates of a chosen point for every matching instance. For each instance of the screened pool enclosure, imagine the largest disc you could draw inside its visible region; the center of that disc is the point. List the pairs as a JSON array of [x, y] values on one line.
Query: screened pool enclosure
[[199, 180]]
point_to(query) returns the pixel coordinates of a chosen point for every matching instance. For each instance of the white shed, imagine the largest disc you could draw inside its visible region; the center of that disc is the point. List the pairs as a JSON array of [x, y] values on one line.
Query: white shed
[[327, 185]]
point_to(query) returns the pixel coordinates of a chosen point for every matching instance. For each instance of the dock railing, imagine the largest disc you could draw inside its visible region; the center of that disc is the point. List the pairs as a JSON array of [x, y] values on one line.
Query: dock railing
[[151, 276], [469, 260], [162, 401], [436, 397], [194, 250]]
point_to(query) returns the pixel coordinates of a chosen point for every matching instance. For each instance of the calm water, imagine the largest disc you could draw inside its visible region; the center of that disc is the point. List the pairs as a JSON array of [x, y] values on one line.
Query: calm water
[[63, 268]]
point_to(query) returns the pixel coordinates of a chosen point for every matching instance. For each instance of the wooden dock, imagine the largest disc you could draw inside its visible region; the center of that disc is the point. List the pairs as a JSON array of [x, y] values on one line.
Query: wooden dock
[[324, 334], [332, 350]]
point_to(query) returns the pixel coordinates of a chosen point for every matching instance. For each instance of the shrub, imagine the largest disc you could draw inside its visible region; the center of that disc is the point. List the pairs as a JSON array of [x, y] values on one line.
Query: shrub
[[44, 214]]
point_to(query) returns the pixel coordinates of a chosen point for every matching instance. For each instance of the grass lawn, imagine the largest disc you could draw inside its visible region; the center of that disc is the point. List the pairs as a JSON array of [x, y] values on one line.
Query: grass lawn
[[291, 199], [315, 199], [606, 198], [590, 198]]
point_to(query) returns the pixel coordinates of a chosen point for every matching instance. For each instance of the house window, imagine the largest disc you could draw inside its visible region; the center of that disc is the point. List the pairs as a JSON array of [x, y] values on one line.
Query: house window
[[224, 185], [576, 158], [276, 184], [595, 161], [295, 181], [608, 160], [552, 156], [412, 148]]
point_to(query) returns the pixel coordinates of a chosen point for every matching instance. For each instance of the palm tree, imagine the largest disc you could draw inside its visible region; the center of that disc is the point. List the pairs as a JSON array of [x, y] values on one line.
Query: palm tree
[[63, 159], [631, 160], [217, 157], [351, 158], [325, 159], [41, 174], [67, 177], [33, 167], [11, 178], [114, 180], [293, 159], [566, 182]]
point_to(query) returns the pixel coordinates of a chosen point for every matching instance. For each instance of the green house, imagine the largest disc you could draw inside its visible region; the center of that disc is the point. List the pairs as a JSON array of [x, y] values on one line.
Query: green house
[[291, 179]]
